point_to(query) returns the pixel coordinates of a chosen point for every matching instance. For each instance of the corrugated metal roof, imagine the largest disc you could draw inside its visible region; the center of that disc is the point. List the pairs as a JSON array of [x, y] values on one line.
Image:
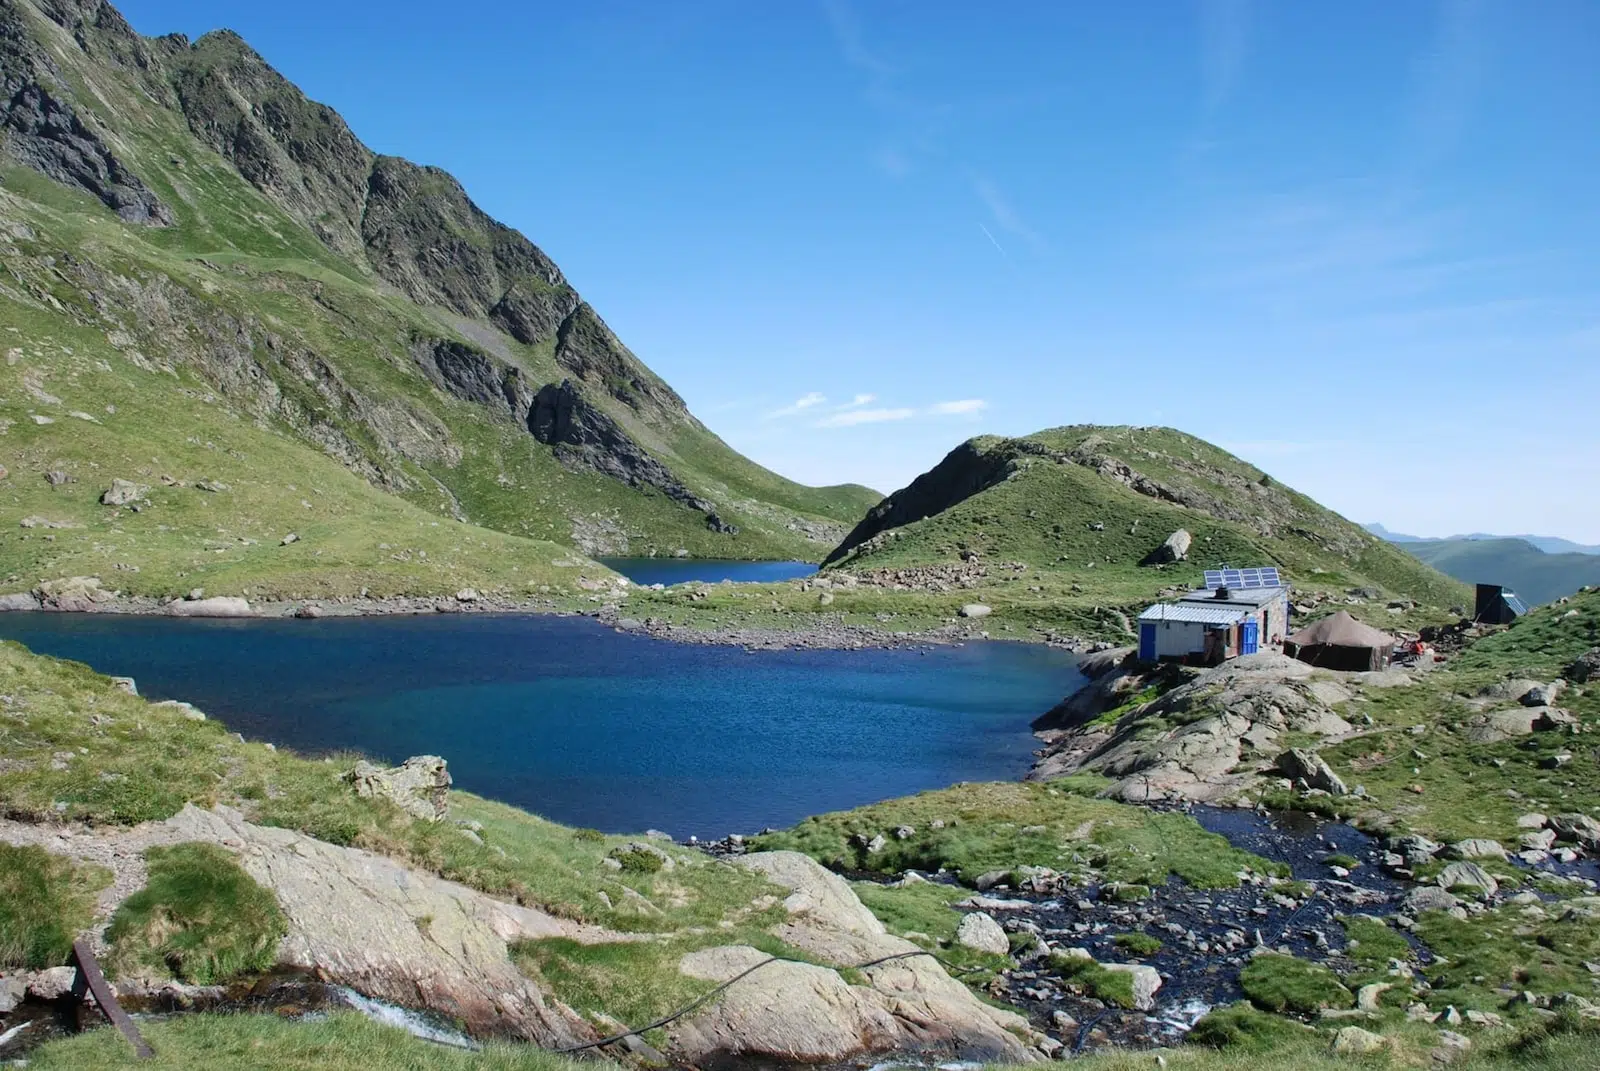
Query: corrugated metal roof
[[1193, 613]]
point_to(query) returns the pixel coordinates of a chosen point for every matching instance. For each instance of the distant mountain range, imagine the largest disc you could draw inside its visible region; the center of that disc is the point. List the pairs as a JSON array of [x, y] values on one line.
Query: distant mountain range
[[1547, 544], [1539, 568]]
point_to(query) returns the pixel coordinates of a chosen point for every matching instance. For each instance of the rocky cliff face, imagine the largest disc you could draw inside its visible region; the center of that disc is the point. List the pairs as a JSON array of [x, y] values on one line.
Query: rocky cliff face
[[347, 297], [44, 131]]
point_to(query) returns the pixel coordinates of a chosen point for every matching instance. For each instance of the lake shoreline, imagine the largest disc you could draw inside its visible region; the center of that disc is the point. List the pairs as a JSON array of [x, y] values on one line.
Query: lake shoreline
[[816, 635]]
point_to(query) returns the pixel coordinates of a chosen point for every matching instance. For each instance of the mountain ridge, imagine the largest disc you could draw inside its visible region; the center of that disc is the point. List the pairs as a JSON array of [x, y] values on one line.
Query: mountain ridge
[[183, 224]]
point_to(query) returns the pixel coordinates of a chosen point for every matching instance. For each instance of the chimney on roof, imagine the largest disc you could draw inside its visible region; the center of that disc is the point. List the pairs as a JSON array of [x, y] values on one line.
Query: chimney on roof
[[1222, 592]]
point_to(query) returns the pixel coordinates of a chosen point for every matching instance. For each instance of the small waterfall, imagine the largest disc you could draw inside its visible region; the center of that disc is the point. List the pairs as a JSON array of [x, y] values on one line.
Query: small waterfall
[[414, 1023]]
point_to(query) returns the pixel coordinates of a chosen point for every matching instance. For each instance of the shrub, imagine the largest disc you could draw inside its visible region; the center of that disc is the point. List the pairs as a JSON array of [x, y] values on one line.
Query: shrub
[[588, 836], [200, 916], [639, 861]]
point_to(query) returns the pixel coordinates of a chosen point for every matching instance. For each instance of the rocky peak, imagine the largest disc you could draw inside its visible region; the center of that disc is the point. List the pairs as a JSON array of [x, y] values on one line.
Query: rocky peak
[[45, 131]]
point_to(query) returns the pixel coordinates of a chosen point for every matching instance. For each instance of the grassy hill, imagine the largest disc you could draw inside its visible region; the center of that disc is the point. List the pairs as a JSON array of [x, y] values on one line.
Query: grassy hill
[[1097, 502], [208, 276], [1514, 563]]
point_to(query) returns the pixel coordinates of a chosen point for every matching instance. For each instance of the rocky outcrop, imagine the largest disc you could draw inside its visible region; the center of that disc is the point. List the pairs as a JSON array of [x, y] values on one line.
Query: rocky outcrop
[[1584, 668], [216, 606], [419, 786], [1311, 770], [1114, 677], [584, 437], [365, 921], [1204, 740], [964, 472], [42, 128], [808, 1013]]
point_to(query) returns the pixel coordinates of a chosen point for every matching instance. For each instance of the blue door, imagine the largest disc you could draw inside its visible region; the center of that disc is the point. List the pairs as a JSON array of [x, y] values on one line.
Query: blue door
[[1147, 641], [1250, 637]]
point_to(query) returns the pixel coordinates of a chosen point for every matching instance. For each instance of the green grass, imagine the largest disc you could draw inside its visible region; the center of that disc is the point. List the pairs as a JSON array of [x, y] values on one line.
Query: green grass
[[1138, 943], [1243, 1028], [1279, 983], [199, 917], [1113, 987], [1506, 950], [344, 1040], [1002, 826], [1470, 789], [45, 900]]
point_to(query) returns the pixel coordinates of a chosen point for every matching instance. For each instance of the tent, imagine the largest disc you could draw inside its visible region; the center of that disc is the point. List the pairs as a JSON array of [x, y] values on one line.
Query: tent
[[1341, 642]]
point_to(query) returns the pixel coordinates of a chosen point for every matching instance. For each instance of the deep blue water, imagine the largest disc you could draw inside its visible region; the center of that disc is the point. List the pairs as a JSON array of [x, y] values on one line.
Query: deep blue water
[[671, 571], [588, 726]]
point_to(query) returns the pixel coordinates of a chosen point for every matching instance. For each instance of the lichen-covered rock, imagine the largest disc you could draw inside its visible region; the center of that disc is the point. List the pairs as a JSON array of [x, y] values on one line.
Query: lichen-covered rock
[[1354, 1041], [808, 1013], [216, 606], [419, 786], [981, 933], [1146, 981], [1468, 875], [123, 493], [73, 593], [1298, 764], [397, 934]]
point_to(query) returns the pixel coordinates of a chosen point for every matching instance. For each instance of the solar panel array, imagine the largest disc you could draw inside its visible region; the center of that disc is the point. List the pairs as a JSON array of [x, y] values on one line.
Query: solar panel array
[[1243, 579]]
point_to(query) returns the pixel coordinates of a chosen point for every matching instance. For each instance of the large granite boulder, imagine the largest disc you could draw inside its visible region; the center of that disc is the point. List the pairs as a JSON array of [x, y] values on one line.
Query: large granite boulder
[[807, 1013], [419, 786], [217, 606]]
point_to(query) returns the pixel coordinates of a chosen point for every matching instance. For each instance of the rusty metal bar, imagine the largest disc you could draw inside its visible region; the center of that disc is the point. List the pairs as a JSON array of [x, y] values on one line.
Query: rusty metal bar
[[90, 978]]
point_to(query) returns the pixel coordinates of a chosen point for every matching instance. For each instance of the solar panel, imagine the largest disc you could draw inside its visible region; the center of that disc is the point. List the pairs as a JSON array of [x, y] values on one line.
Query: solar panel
[[1243, 579]]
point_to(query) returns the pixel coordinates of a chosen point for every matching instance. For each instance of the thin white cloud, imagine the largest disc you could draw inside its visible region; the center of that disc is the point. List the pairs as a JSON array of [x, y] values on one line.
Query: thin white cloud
[[1004, 213], [987, 233], [851, 417], [1224, 37], [858, 401], [957, 408], [800, 405]]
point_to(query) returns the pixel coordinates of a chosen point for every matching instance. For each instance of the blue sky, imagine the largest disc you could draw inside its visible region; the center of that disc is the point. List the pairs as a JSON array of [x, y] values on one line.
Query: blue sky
[[1355, 243]]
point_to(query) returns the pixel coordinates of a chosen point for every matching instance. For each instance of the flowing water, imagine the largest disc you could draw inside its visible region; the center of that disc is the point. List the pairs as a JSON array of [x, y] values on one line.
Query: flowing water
[[588, 726]]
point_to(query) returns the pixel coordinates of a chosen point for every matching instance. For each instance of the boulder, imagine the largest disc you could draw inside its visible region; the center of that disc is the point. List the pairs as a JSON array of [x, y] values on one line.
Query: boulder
[[1470, 875], [976, 609], [1584, 668], [806, 1013], [1532, 820], [1298, 764], [52, 983], [1476, 848], [1541, 840], [123, 493], [1416, 848], [1503, 725], [1542, 695], [1146, 980], [1175, 548], [216, 606], [1354, 1041], [73, 593], [20, 600], [981, 933], [1430, 898], [1577, 827], [419, 786]]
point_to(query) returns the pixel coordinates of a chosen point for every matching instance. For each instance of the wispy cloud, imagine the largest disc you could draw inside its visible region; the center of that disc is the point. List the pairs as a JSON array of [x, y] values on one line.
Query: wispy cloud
[[800, 405], [965, 405], [1447, 76], [1004, 213], [858, 401], [1224, 41], [851, 417]]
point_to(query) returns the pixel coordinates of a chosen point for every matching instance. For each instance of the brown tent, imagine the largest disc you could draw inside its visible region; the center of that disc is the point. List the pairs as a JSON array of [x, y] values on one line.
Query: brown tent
[[1341, 642]]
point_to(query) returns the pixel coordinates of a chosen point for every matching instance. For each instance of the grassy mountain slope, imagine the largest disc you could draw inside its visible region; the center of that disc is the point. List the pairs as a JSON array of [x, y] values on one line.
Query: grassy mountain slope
[[188, 239], [1515, 563], [1096, 502]]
